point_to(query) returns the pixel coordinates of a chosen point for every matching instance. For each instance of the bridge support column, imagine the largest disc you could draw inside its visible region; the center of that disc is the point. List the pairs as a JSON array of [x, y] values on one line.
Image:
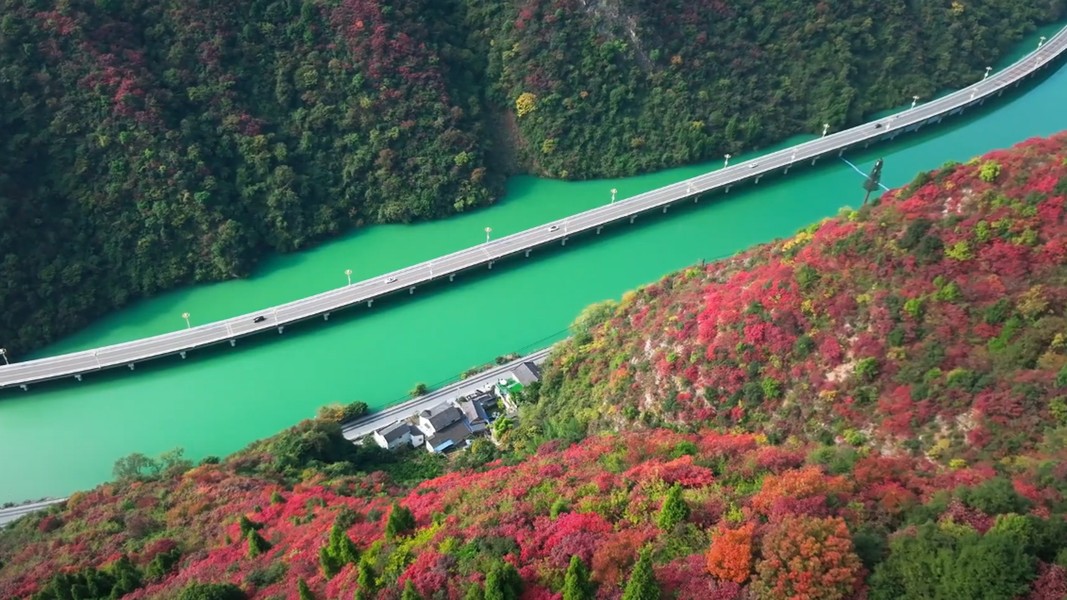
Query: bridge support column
[[527, 253], [78, 376], [25, 387], [233, 343], [131, 365], [411, 290], [564, 242], [490, 264], [665, 208], [696, 199], [599, 228], [841, 152], [325, 316], [758, 178], [728, 189], [182, 353], [867, 144], [281, 329], [813, 161], [370, 303], [632, 218], [786, 171], [451, 276]]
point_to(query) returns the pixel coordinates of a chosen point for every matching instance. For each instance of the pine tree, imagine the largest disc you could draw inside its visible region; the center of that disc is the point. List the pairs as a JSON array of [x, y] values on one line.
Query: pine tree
[[256, 544], [576, 585], [674, 510], [474, 592], [401, 522], [247, 525], [365, 580], [642, 584], [410, 593], [303, 589], [338, 552], [503, 582]]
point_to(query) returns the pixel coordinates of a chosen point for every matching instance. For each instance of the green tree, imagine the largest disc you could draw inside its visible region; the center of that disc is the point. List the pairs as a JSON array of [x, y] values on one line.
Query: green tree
[[474, 592], [674, 510], [503, 582], [576, 584], [211, 591], [303, 589], [642, 584], [247, 525], [401, 522], [367, 584], [339, 551], [410, 593], [256, 544]]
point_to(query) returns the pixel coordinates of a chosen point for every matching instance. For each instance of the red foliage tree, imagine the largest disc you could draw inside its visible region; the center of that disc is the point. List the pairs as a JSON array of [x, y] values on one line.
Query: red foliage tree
[[806, 558], [730, 556]]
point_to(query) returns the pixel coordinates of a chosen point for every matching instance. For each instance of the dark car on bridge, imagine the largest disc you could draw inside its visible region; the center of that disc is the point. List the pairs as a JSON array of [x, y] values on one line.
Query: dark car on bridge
[[259, 319]]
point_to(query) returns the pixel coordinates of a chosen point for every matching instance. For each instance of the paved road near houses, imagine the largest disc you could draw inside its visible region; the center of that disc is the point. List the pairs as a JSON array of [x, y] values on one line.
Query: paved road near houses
[[368, 424]]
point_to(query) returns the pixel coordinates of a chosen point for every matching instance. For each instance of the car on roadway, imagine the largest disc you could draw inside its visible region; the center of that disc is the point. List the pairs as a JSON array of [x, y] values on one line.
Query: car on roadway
[[753, 165], [554, 228], [391, 280], [259, 319], [877, 125]]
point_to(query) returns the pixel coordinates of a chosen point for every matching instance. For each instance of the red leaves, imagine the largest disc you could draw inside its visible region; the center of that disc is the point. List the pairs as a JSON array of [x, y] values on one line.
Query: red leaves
[[730, 555], [808, 558]]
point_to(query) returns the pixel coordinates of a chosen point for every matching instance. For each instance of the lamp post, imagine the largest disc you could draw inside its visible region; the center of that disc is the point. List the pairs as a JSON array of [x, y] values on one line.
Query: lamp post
[[1041, 42], [488, 230], [613, 192], [185, 316], [348, 274], [825, 128], [3, 352], [726, 163], [987, 70], [914, 101]]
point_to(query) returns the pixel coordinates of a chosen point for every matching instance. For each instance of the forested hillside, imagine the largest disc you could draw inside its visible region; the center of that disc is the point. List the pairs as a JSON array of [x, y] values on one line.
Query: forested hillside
[[932, 323], [874, 409], [151, 144]]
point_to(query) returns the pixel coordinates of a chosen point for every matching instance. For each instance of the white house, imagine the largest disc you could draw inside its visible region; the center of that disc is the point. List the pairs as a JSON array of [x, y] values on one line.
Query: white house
[[398, 434]]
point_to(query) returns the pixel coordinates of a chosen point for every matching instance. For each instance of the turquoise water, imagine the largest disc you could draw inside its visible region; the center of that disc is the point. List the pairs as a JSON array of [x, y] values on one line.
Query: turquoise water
[[65, 436]]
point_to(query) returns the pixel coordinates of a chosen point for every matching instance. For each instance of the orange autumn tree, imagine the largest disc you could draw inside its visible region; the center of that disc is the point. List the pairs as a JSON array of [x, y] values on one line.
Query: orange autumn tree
[[807, 558], [796, 486], [730, 554]]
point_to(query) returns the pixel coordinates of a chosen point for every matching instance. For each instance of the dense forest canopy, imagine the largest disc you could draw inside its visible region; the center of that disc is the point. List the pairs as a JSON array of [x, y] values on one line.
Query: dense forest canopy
[[151, 144]]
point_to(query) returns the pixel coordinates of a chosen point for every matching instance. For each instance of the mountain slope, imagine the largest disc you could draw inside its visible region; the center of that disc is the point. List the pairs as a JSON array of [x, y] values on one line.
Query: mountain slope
[[933, 322], [149, 145]]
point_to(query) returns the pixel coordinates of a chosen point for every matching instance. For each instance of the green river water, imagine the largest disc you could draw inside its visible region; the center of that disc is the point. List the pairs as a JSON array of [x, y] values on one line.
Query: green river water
[[64, 436]]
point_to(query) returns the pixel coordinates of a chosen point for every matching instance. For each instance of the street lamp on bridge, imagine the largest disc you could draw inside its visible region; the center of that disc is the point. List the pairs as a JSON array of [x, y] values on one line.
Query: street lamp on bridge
[[613, 192], [1041, 42], [488, 230], [348, 274], [825, 128], [914, 101], [987, 70], [185, 316], [726, 163], [3, 352]]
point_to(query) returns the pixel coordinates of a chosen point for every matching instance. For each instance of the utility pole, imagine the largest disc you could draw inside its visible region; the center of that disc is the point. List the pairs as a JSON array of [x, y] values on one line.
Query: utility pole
[[872, 181]]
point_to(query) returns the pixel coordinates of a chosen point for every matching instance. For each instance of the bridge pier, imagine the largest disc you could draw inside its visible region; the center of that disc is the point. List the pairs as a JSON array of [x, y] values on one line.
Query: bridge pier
[[182, 353], [78, 376], [527, 253], [490, 264], [728, 189], [665, 207], [233, 343], [564, 242], [411, 290], [131, 365], [841, 152], [281, 329], [25, 387], [451, 276], [758, 178], [813, 161], [370, 303], [632, 219], [325, 316], [599, 227], [696, 199]]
